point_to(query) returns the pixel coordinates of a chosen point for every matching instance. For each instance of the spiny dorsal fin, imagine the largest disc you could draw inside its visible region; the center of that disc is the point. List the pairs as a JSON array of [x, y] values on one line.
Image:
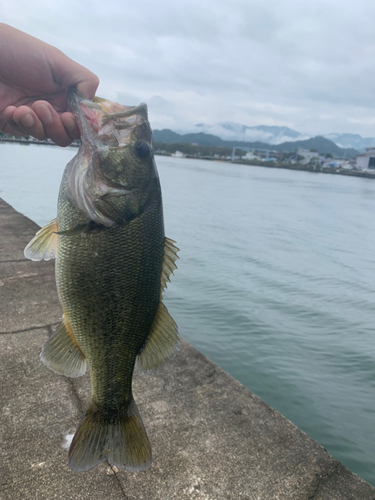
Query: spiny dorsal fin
[[62, 354], [161, 344], [44, 243], [170, 257]]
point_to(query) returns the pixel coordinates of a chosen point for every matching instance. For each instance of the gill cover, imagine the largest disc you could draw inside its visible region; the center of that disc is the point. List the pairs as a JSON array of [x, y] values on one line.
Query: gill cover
[[113, 175]]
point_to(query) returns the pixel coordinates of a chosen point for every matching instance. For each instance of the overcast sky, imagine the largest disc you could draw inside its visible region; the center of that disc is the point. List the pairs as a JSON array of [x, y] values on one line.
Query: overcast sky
[[308, 65]]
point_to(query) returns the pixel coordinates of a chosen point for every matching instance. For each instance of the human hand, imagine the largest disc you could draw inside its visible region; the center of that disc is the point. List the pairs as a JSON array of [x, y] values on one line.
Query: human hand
[[34, 79]]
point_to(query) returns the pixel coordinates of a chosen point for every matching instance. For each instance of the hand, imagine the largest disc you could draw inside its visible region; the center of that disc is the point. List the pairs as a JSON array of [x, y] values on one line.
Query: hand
[[34, 79]]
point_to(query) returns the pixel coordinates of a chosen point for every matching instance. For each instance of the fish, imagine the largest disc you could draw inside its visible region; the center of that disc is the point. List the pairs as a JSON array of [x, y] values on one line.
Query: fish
[[113, 262]]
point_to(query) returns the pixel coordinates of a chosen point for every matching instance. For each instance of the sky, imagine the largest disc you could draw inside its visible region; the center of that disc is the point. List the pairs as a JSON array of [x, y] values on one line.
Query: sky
[[306, 65]]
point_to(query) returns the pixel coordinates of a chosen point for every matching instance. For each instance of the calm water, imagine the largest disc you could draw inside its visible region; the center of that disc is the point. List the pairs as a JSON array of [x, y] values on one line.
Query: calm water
[[276, 282]]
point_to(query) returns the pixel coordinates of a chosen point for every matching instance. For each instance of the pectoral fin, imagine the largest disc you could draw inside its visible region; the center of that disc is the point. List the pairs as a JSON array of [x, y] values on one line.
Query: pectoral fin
[[61, 353], [170, 257], [44, 243]]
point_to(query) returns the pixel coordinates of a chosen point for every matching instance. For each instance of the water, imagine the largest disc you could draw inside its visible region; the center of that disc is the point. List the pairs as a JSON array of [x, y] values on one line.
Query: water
[[276, 282]]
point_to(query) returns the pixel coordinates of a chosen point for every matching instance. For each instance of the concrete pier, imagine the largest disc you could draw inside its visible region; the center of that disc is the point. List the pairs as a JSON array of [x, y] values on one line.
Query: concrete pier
[[212, 439]]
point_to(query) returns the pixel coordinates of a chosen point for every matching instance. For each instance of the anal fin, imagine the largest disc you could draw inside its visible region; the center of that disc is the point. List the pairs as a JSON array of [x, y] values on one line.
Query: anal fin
[[44, 243], [62, 354]]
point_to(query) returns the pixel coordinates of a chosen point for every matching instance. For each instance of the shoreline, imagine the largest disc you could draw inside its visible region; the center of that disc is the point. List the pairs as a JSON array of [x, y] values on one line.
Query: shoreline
[[287, 166], [313, 169], [37, 143]]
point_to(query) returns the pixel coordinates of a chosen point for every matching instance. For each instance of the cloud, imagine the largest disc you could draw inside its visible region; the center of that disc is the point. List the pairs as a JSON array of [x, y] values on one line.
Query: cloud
[[307, 65]]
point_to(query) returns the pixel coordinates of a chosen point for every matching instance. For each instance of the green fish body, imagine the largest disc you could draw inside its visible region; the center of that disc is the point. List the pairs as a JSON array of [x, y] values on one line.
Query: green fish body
[[112, 264]]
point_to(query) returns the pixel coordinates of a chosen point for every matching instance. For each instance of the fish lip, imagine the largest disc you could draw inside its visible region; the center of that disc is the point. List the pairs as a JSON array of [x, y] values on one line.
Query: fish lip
[[75, 97]]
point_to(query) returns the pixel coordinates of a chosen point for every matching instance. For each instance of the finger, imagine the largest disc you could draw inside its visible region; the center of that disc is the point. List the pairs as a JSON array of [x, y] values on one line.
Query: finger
[[88, 85], [6, 118], [24, 121], [67, 72], [52, 123], [7, 129], [84, 80], [70, 125]]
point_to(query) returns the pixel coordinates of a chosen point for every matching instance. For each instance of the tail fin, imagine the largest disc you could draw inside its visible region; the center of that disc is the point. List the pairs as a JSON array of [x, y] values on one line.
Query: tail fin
[[123, 443]]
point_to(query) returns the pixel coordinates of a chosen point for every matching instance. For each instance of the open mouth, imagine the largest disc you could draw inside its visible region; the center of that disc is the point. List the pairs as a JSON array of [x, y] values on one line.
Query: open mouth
[[104, 122]]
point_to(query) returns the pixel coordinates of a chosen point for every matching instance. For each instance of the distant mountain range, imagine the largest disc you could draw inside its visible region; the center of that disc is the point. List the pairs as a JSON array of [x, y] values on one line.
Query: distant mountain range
[[351, 141], [320, 144], [229, 131], [236, 132]]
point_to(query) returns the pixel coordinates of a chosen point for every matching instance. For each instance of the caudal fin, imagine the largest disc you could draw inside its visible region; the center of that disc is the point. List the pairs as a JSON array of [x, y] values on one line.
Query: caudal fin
[[123, 443]]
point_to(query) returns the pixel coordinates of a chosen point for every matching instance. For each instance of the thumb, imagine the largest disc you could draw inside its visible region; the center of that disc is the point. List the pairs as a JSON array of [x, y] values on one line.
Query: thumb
[[88, 84], [67, 72]]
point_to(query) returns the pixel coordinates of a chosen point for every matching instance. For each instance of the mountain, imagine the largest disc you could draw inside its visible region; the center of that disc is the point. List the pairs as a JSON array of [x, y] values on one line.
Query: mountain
[[321, 144], [168, 136], [351, 141], [230, 131], [199, 138]]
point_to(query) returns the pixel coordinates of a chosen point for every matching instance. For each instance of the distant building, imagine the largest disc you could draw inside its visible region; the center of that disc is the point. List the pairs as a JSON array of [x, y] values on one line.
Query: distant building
[[346, 166], [178, 154], [307, 155], [366, 160], [250, 156]]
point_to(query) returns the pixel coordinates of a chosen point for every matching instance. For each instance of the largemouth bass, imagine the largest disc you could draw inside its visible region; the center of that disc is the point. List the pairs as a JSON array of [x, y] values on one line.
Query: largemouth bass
[[113, 262]]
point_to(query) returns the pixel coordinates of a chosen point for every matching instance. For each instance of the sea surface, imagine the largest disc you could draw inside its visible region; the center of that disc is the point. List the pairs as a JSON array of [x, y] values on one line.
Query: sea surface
[[276, 282]]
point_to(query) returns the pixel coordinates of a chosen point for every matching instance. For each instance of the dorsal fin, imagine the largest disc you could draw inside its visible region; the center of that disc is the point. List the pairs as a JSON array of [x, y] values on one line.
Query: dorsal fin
[[44, 243], [163, 341]]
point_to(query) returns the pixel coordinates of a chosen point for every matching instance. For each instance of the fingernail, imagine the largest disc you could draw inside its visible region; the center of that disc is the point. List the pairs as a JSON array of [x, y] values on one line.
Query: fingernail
[[27, 121], [45, 115]]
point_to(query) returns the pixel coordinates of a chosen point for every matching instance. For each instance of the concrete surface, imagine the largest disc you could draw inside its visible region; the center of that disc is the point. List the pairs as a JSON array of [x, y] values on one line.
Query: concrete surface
[[211, 437]]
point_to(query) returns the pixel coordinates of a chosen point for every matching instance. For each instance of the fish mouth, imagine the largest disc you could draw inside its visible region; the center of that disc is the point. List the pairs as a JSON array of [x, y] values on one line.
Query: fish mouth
[[105, 123]]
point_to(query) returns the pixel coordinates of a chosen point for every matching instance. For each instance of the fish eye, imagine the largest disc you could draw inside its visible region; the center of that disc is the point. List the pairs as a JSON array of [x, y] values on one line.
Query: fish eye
[[142, 149]]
